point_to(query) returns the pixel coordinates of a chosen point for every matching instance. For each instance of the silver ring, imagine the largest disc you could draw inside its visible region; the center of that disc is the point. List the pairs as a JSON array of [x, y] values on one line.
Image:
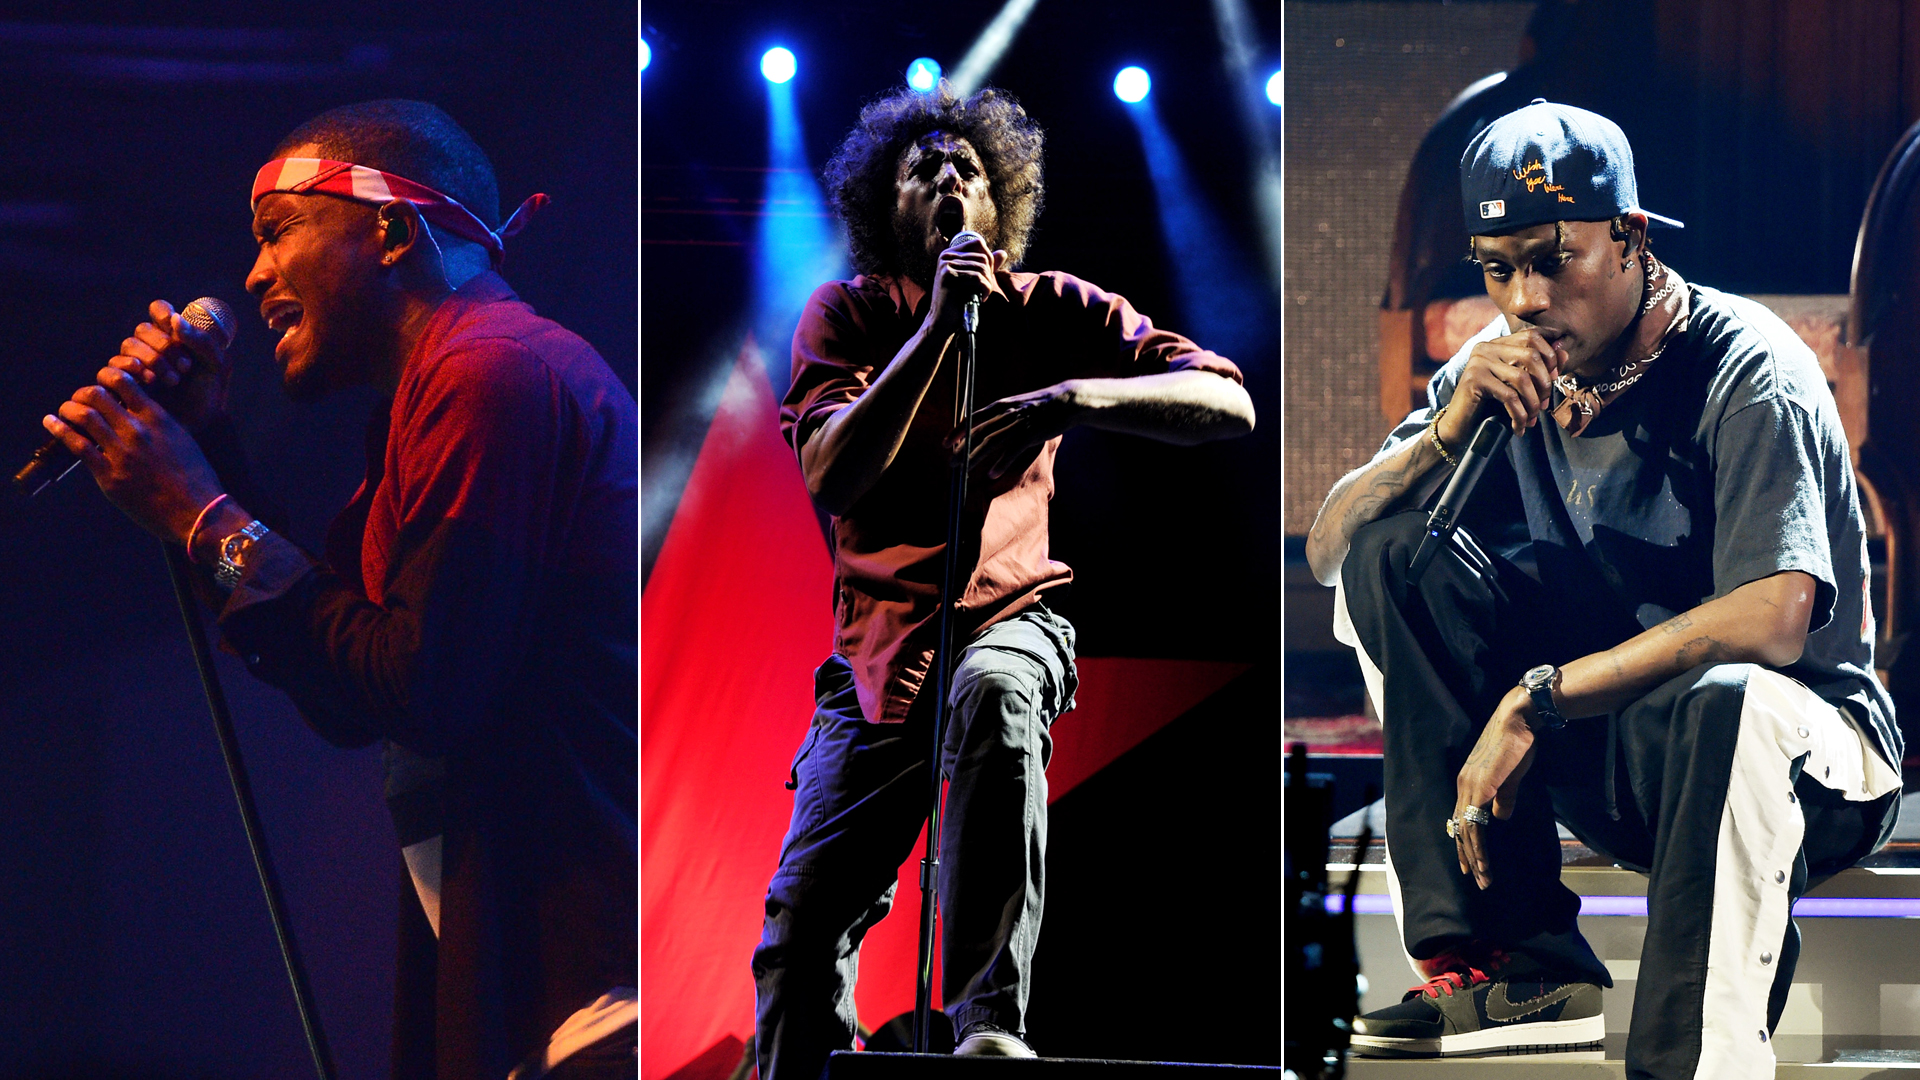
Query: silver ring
[[1476, 814]]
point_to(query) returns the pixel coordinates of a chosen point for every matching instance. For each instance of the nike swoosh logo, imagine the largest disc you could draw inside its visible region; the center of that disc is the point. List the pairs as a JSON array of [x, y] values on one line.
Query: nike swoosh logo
[[1499, 1008]]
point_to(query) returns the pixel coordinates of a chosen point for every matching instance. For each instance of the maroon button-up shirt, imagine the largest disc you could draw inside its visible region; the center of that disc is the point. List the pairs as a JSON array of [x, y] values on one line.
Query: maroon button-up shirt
[[1035, 331]]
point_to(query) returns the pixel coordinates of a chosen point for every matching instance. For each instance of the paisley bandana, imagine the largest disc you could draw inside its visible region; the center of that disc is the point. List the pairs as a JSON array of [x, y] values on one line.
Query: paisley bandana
[[305, 176], [1662, 315]]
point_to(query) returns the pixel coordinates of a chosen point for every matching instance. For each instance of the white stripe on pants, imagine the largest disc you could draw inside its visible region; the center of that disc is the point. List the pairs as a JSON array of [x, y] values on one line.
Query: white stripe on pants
[[1761, 831]]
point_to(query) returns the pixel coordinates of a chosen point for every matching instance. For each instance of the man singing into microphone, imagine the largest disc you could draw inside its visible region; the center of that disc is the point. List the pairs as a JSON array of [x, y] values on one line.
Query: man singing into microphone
[[939, 195], [1655, 627], [475, 610]]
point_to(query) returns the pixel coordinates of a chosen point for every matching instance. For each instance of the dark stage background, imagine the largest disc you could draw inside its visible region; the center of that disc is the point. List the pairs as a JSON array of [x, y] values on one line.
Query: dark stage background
[[1158, 931], [133, 938]]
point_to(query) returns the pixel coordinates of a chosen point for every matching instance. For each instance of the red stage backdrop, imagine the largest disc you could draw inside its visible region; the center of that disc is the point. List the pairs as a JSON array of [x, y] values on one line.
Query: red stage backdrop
[[736, 615]]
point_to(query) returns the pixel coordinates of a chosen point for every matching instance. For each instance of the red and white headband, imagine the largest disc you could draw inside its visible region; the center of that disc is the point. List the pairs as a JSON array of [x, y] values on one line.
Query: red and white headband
[[306, 176]]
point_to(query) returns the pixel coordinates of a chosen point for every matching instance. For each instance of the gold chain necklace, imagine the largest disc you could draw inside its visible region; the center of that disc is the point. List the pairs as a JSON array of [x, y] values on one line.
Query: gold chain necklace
[[1625, 374]]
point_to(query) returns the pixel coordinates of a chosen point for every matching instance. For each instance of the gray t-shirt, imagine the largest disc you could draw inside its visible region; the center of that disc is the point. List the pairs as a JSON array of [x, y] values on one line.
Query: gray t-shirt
[[1724, 464]]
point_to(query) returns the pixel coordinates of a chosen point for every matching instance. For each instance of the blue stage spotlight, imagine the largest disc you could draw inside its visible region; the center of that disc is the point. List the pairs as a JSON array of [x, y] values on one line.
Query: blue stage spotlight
[[1218, 296], [1274, 88], [923, 74], [799, 243], [778, 65], [646, 54], [1132, 84]]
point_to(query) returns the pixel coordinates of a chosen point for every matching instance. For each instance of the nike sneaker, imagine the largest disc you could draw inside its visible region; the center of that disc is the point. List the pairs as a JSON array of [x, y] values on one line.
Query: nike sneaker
[[1484, 1008]]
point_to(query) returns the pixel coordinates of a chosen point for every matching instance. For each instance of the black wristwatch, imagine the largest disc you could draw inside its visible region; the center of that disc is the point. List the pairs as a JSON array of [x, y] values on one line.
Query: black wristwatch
[[1539, 683]]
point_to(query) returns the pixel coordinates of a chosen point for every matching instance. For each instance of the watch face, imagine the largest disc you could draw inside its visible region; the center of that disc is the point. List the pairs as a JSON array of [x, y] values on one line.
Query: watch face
[[1539, 676]]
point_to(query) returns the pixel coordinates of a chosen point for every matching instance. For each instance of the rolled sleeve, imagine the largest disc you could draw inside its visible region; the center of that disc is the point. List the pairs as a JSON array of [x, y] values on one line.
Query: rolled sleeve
[[832, 363]]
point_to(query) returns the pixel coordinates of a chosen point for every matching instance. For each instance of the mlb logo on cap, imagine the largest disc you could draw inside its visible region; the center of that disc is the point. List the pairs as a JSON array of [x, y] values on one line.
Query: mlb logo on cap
[[1493, 208]]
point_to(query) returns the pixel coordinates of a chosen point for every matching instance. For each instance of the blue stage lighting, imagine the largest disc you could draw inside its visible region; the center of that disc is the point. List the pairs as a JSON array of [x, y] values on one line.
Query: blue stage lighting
[[646, 54], [1132, 84], [923, 74], [778, 65], [1273, 88], [1216, 293]]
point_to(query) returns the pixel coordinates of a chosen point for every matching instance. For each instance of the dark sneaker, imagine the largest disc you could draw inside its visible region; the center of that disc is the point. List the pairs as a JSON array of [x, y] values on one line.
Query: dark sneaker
[[985, 1040], [1483, 1009]]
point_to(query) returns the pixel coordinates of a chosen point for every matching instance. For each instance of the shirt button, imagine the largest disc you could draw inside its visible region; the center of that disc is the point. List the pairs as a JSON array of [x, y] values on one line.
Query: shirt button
[[1791, 797], [1779, 875], [1766, 958], [1803, 733], [1763, 1036], [253, 659]]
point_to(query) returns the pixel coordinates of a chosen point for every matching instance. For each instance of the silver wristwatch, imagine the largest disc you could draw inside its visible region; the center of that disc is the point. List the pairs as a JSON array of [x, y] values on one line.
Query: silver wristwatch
[[1539, 683], [232, 562]]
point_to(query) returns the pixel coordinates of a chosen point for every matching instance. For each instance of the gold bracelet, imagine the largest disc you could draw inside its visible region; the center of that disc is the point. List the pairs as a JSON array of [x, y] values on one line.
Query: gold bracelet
[[1433, 432]]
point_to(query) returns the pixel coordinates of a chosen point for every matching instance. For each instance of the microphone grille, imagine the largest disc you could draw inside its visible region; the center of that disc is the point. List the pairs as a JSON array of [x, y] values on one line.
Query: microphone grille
[[211, 315]]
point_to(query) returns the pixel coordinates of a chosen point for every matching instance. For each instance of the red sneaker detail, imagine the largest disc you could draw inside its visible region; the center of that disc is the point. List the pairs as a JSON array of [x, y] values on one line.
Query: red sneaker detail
[[1455, 970]]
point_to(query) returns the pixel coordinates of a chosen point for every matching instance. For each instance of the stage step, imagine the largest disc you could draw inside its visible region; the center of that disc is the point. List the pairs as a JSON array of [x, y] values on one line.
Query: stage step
[[1560, 1067], [852, 1066]]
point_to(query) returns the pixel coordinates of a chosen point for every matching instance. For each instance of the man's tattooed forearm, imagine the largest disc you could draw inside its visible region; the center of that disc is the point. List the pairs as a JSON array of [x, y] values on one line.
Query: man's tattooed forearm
[[1676, 624], [1362, 496]]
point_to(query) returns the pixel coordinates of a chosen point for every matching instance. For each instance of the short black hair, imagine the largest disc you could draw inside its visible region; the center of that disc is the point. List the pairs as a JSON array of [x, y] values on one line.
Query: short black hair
[[413, 139], [860, 177]]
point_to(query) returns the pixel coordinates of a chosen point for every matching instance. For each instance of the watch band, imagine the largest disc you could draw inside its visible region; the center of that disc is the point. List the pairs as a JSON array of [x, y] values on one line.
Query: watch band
[[231, 564], [1539, 683]]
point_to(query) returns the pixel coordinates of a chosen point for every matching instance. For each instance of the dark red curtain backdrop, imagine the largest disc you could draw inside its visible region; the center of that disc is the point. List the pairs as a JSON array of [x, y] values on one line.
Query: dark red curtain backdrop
[[735, 617]]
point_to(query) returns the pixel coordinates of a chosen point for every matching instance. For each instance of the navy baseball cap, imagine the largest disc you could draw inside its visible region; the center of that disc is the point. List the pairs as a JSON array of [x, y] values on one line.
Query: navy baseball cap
[[1548, 162]]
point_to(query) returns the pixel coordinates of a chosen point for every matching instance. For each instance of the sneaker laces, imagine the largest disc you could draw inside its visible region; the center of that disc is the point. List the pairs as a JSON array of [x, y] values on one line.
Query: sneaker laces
[[1459, 972]]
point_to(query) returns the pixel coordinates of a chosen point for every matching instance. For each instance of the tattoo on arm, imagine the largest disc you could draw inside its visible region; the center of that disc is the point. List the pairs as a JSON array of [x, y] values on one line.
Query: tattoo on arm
[[1676, 624], [1383, 489], [1365, 494], [1702, 650], [1481, 757]]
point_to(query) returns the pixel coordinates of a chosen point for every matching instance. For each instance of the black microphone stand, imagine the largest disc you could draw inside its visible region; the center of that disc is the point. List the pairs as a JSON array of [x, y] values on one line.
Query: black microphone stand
[[951, 583], [178, 569], [32, 480]]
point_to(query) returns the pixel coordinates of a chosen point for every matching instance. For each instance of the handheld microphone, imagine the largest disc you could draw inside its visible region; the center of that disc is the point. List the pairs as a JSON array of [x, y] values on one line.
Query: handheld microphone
[[1488, 440], [52, 462], [969, 315]]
